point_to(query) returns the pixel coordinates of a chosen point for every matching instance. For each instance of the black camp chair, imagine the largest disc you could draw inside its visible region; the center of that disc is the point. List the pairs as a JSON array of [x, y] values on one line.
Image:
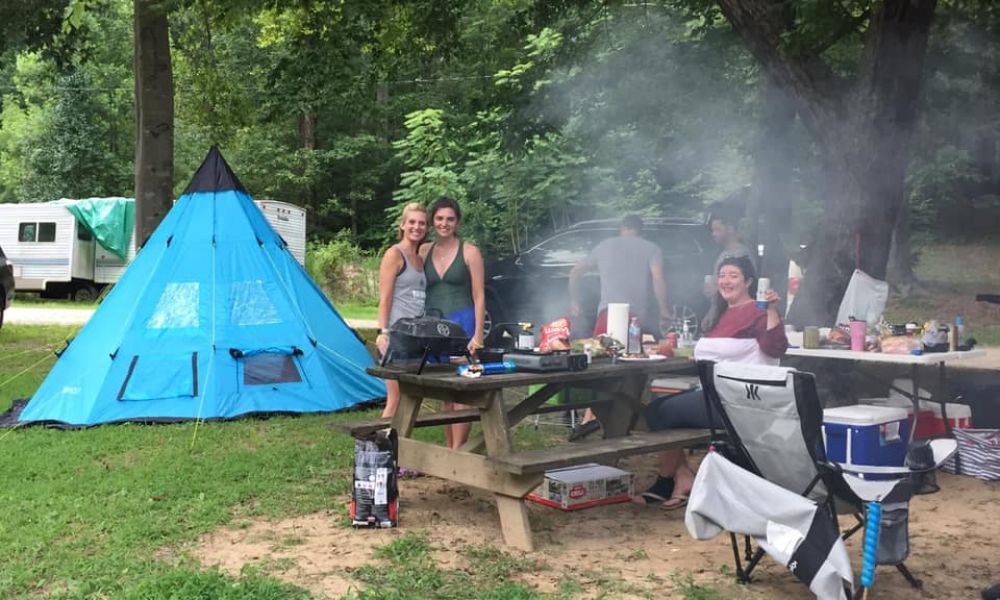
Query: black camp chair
[[773, 428]]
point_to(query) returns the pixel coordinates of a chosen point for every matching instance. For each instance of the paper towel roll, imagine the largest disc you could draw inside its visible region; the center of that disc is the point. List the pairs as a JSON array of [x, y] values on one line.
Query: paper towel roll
[[618, 322]]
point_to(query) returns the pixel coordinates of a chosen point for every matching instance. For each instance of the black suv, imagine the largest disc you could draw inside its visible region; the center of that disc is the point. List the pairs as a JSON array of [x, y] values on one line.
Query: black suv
[[6, 284], [533, 286]]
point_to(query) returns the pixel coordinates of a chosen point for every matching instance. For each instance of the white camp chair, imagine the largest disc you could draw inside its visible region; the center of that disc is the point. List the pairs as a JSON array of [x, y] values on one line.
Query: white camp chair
[[773, 428]]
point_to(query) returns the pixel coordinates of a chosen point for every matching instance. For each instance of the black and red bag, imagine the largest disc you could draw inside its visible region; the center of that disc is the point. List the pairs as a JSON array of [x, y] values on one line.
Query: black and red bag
[[375, 500]]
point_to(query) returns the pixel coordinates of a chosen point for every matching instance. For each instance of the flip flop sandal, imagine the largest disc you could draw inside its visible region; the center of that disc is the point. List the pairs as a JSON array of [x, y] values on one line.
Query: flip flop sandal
[[648, 499], [679, 502], [584, 429], [658, 493]]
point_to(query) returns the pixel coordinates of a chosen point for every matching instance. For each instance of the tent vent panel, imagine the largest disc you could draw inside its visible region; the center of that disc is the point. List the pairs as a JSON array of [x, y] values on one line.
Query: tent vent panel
[[161, 376]]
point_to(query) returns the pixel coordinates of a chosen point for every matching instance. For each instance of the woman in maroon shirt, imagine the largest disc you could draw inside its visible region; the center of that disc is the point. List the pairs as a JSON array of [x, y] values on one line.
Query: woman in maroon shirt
[[741, 333]]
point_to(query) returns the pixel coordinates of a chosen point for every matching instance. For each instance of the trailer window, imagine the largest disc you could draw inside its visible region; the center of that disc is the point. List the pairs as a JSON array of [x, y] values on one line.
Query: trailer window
[[46, 232], [27, 232], [36, 232]]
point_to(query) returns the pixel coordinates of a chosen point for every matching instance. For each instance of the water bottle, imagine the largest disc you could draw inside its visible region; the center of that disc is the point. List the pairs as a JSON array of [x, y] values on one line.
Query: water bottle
[[960, 329], [634, 345]]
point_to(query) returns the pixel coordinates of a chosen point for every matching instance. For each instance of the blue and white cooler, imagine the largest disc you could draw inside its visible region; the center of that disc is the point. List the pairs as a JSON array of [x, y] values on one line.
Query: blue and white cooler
[[866, 435]]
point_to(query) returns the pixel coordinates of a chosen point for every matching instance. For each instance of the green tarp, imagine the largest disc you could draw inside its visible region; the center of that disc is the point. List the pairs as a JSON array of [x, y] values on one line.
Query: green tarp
[[109, 220]]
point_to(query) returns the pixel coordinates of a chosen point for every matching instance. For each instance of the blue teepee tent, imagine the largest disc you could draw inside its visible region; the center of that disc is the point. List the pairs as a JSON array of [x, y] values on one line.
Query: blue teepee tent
[[213, 319]]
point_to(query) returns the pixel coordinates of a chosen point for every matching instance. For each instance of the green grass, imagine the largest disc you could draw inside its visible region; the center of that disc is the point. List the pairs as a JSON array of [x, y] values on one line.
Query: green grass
[[89, 513], [89, 509], [357, 311], [27, 352], [950, 277]]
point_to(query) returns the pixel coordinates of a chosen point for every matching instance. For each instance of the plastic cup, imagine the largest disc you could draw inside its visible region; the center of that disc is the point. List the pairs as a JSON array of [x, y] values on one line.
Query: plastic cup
[[858, 330], [810, 337]]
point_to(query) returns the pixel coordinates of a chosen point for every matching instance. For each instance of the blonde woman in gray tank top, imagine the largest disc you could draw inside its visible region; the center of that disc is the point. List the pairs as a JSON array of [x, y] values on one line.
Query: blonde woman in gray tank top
[[401, 285]]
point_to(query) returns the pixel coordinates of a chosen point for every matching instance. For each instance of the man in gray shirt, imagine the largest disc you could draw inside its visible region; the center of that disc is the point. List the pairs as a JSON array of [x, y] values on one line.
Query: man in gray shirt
[[629, 267]]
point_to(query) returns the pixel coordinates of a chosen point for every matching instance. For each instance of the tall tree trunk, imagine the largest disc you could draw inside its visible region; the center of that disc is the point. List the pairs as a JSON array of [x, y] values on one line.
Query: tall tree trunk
[[154, 115], [382, 103], [900, 272], [863, 128], [307, 130]]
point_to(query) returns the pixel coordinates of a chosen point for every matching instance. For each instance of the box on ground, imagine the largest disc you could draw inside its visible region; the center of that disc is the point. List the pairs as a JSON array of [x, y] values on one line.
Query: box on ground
[[583, 486], [960, 415], [866, 435]]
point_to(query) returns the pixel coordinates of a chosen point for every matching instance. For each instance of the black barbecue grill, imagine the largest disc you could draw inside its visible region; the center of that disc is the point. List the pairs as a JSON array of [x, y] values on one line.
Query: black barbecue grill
[[426, 337]]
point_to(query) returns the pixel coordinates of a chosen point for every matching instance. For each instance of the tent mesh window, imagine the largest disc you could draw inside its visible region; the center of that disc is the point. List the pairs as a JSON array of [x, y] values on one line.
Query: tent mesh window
[[177, 307], [251, 304], [269, 368]]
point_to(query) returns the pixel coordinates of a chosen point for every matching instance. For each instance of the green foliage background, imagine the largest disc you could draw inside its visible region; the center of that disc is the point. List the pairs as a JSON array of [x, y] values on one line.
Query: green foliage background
[[534, 114]]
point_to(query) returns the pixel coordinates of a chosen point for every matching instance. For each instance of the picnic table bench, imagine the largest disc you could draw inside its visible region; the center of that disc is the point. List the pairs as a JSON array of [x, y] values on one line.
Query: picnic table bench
[[488, 460]]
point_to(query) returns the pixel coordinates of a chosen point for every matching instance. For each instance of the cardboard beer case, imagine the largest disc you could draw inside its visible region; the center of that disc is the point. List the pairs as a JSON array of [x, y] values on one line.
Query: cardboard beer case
[[583, 486]]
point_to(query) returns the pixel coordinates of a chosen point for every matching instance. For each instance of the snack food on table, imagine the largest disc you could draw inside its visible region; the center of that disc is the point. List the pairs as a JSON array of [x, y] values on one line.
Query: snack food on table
[[901, 344], [598, 346], [839, 336], [555, 336], [666, 347]]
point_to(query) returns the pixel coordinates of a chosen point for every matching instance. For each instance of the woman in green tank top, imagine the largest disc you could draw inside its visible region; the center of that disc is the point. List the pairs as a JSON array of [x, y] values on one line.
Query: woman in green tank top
[[455, 287]]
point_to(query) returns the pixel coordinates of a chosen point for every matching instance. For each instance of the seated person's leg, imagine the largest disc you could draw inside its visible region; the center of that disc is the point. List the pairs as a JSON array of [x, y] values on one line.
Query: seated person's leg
[[686, 409]]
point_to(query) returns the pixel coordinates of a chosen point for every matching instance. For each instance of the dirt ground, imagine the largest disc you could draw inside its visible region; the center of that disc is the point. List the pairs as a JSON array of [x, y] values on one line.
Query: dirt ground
[[955, 540]]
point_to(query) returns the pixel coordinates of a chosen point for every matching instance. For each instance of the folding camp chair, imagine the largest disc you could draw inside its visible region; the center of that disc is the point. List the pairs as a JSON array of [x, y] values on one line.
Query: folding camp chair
[[774, 429]]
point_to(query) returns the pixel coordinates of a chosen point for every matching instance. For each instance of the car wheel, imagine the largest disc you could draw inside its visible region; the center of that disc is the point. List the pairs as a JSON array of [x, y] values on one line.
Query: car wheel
[[494, 315], [84, 293]]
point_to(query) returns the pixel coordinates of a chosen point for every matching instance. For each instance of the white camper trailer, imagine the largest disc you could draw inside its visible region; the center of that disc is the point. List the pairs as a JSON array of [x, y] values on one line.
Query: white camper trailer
[[55, 255], [290, 223]]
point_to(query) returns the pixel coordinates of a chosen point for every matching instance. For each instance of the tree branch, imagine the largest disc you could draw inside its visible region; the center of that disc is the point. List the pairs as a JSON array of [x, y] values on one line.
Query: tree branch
[[762, 25], [851, 25]]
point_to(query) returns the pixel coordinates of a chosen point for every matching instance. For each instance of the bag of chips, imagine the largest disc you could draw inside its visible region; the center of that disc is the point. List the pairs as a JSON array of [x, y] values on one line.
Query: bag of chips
[[555, 336]]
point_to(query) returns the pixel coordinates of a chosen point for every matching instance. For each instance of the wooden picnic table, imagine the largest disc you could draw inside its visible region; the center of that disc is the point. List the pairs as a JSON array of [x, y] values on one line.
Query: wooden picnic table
[[623, 390]]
